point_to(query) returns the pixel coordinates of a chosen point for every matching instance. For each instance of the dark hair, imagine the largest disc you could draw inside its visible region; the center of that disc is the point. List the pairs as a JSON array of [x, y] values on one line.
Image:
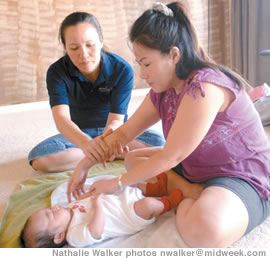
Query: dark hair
[[43, 239], [74, 19], [156, 30]]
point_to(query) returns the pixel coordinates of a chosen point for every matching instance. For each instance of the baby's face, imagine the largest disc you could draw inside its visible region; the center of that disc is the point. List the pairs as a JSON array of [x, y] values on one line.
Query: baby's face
[[55, 219]]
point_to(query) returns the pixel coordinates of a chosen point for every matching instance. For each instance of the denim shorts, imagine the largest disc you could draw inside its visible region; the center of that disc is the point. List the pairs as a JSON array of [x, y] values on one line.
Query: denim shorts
[[258, 208], [58, 143]]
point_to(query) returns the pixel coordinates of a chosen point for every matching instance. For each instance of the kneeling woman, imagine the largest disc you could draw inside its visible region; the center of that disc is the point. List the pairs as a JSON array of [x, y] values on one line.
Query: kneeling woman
[[214, 135], [89, 91]]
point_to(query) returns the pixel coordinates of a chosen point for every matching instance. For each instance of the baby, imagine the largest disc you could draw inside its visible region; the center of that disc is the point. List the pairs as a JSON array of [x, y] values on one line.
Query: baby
[[95, 219]]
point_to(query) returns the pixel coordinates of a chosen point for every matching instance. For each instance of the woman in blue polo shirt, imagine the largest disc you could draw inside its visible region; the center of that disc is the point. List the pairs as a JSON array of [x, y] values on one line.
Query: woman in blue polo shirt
[[89, 91]]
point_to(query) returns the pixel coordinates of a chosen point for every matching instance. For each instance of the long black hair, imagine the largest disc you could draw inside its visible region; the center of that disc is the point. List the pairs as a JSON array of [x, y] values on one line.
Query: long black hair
[[156, 30]]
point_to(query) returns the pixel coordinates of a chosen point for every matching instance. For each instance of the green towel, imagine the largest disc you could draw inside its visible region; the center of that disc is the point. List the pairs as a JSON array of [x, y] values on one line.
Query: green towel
[[35, 194]]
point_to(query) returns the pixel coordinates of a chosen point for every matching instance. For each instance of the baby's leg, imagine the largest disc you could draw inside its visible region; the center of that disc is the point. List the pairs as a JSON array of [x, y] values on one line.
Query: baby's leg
[[150, 207], [189, 190], [156, 187]]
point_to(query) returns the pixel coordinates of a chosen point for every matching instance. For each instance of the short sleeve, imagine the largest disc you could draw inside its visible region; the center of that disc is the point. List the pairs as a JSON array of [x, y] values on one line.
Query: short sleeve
[[79, 236], [155, 98], [121, 93], [211, 76], [194, 82], [56, 86]]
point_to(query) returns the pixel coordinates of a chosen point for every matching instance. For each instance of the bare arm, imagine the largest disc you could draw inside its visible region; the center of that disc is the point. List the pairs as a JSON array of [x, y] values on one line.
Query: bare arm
[[192, 122], [74, 134], [114, 121], [77, 179], [96, 222], [67, 127], [144, 117], [102, 148]]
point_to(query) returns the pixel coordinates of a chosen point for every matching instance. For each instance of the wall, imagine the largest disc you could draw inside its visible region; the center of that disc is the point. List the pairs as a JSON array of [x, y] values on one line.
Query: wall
[[29, 38]]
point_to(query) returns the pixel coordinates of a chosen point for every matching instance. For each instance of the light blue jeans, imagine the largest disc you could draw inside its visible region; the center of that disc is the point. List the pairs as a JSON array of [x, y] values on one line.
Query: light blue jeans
[[58, 143]]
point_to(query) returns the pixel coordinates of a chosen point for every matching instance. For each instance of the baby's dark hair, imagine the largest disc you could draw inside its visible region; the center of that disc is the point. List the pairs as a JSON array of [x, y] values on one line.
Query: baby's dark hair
[[43, 239]]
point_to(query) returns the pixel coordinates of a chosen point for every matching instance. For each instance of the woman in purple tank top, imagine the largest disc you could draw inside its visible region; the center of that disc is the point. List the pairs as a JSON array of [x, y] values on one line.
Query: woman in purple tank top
[[216, 149]]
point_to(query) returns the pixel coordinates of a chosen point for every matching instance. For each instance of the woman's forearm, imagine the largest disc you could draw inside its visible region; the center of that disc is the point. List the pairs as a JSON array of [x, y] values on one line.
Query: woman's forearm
[[71, 131], [114, 121], [156, 164], [144, 117], [85, 164], [117, 135]]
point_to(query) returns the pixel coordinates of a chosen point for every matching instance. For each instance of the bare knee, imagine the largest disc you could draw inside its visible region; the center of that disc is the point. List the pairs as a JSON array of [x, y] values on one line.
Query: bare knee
[[148, 207], [142, 208], [202, 234], [58, 162], [131, 160], [217, 219], [41, 164], [202, 231]]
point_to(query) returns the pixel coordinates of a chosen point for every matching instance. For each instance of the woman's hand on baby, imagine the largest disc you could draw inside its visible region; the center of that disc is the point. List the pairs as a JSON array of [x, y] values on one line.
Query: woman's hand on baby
[[102, 187]]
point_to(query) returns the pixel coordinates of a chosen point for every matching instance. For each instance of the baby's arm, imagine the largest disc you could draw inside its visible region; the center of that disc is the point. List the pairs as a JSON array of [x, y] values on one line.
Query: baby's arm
[[78, 177], [96, 223], [85, 164]]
